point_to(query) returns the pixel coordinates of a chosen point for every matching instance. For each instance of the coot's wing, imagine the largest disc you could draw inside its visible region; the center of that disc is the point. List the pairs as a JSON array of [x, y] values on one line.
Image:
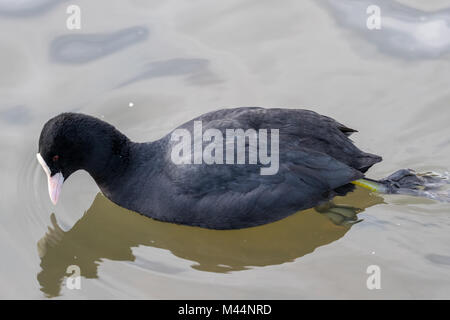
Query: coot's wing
[[298, 128]]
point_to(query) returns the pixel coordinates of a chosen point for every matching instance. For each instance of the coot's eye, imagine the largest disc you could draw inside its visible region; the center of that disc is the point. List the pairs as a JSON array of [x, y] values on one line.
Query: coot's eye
[[55, 158]]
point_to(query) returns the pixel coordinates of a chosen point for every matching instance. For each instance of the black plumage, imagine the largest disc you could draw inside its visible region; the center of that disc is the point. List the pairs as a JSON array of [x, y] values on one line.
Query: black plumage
[[317, 161]]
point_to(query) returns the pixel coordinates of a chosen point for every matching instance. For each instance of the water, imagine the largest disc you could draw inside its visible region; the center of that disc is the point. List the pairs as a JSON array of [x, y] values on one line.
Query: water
[[148, 66]]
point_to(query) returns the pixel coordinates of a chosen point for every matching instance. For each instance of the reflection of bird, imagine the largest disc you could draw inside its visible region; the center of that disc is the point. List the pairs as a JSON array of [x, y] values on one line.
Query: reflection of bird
[[311, 160], [107, 231]]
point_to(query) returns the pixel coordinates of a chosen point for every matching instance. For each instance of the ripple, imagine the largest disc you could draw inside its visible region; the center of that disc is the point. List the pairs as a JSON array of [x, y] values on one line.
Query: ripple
[[83, 48], [438, 259], [35, 187], [405, 32], [171, 67], [16, 8]]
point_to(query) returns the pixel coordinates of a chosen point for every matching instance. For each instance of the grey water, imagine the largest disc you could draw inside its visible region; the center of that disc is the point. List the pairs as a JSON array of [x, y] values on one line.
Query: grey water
[[148, 66]]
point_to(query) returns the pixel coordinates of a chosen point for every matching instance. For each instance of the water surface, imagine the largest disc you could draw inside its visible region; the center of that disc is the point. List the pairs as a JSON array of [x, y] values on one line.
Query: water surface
[[176, 60]]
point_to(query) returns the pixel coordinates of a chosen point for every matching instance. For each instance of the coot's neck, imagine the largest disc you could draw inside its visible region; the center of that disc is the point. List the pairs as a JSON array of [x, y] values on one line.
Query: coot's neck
[[110, 160], [113, 160], [126, 166]]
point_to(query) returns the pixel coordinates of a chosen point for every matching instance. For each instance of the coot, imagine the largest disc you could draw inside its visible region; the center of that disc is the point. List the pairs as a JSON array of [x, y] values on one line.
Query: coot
[[173, 179]]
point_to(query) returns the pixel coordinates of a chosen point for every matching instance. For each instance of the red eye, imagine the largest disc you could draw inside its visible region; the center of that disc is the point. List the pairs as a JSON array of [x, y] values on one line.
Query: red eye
[[55, 158]]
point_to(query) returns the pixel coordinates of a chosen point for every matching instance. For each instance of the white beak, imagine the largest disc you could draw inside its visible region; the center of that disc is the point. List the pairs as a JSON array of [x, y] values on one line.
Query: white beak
[[55, 182]]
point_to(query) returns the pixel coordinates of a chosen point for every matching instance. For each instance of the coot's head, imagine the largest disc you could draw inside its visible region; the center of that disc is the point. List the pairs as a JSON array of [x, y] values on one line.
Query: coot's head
[[73, 141]]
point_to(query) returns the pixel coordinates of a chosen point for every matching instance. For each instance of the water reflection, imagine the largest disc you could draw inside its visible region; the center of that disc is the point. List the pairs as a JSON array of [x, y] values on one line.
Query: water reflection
[[107, 231], [82, 48], [405, 32]]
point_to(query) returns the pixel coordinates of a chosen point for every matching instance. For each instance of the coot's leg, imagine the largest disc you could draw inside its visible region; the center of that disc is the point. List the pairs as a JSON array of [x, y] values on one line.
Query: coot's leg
[[406, 181]]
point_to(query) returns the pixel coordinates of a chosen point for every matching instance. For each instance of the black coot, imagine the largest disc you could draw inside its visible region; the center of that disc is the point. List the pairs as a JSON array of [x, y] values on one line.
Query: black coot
[[316, 161]]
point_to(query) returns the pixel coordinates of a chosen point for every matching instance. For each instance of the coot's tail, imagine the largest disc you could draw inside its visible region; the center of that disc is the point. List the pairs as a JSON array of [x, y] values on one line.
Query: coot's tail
[[429, 185]]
